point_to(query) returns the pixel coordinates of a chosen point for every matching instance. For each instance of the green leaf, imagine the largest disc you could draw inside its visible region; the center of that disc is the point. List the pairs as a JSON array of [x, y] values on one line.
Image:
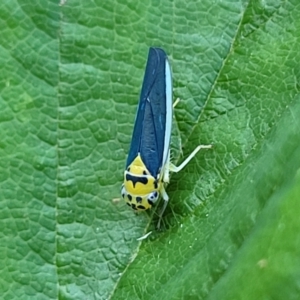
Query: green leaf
[[70, 81]]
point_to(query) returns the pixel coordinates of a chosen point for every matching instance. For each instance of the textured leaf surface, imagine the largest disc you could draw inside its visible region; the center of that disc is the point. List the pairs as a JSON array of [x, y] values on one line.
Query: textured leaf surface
[[70, 79]]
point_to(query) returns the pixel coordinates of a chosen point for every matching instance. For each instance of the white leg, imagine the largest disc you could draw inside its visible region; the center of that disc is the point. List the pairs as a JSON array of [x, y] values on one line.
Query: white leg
[[176, 102], [173, 168], [166, 200]]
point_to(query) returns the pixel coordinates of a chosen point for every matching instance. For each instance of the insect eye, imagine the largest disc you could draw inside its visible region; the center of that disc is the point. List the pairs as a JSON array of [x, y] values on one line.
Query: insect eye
[[153, 197], [123, 191]]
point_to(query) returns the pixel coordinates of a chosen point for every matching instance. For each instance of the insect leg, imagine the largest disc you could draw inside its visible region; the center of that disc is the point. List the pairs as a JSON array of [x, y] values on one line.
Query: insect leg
[[166, 200], [176, 102], [176, 169]]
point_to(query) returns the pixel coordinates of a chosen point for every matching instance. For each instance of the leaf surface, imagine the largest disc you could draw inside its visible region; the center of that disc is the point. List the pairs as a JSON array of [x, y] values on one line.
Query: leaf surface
[[70, 81]]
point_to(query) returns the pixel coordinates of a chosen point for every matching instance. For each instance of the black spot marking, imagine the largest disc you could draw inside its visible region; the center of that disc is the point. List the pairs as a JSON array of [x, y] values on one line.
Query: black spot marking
[[139, 199], [136, 179], [150, 202], [133, 206], [129, 197], [128, 169], [144, 172], [128, 204], [155, 184], [141, 207], [123, 195], [155, 194]]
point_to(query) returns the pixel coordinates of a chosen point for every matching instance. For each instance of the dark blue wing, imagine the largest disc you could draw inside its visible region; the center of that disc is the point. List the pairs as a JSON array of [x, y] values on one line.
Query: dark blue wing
[[148, 136]]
